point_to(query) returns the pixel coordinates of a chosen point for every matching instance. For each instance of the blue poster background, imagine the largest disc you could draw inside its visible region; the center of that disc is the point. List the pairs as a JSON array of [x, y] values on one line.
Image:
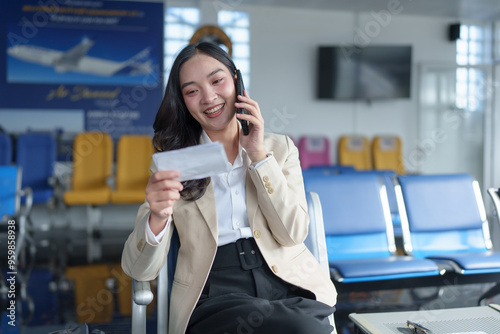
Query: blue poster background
[[103, 57]]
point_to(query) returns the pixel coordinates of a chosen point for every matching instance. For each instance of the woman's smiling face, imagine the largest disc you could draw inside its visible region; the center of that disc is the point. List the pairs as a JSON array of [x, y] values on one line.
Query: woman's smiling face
[[209, 92]]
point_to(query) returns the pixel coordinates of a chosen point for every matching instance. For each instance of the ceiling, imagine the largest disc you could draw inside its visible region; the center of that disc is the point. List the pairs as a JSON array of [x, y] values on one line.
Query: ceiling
[[484, 10]]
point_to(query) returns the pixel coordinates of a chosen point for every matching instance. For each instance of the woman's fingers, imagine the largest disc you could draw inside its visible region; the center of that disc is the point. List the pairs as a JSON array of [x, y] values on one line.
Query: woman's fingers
[[162, 191]]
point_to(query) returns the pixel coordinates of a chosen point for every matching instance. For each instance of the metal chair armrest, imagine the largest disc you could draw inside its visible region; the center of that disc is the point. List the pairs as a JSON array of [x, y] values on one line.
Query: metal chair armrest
[[111, 182], [28, 194], [141, 297], [495, 197], [141, 292]]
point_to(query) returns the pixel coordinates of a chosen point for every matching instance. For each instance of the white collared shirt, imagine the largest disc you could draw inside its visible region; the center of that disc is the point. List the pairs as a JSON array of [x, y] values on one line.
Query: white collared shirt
[[230, 195], [230, 199]]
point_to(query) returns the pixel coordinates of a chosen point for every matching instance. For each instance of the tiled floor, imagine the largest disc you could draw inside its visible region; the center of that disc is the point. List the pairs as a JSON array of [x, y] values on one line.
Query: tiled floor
[[391, 300]]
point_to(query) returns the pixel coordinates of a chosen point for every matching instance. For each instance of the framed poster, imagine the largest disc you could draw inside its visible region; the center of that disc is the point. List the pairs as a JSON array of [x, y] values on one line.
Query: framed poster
[[103, 57]]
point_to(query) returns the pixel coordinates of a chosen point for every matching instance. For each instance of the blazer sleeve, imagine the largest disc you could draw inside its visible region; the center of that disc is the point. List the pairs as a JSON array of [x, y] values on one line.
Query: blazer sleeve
[[140, 259], [280, 192]]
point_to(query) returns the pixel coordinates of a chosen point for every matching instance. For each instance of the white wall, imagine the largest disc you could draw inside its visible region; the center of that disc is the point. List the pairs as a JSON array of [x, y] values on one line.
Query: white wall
[[283, 70]]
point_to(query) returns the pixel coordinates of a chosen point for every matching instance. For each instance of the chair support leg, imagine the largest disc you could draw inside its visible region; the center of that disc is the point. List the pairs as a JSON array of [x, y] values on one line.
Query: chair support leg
[[163, 301], [139, 314], [492, 292], [94, 251]]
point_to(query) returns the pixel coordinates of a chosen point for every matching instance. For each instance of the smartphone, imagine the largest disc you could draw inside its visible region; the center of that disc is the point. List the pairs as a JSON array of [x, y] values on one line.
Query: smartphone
[[240, 87]]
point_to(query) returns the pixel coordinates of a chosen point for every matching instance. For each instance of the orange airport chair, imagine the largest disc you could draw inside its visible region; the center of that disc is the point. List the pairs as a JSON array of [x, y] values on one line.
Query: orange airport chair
[[387, 154], [132, 169], [355, 151]]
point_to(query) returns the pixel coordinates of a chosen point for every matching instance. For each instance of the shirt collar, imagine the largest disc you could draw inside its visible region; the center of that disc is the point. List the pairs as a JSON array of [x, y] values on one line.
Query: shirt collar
[[239, 159]]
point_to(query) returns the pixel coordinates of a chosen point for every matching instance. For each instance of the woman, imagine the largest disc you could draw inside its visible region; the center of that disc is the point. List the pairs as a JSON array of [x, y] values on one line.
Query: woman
[[242, 266]]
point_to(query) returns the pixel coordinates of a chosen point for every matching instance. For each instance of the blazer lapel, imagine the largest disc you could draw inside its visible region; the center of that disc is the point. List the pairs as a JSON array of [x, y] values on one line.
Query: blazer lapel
[[206, 205]]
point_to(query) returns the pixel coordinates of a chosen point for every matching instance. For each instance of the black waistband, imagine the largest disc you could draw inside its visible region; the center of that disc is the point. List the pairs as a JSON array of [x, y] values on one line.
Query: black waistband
[[243, 253]]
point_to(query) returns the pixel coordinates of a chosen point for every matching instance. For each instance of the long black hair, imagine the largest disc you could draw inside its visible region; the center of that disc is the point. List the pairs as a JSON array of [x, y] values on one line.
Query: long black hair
[[174, 127]]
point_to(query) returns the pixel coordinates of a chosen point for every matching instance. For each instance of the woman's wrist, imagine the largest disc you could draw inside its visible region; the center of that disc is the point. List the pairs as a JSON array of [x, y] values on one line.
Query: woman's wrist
[[157, 224], [258, 156]]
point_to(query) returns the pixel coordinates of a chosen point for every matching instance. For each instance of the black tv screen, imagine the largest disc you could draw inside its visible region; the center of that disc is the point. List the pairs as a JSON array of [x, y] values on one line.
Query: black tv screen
[[367, 73]]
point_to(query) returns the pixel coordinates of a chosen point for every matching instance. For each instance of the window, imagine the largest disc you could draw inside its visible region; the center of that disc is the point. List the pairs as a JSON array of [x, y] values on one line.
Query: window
[[472, 47], [472, 50], [180, 25], [182, 22], [496, 41], [237, 27]]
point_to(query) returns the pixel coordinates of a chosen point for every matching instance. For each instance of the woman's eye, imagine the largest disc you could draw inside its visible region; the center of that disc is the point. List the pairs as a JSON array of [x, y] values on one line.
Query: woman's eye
[[218, 81]]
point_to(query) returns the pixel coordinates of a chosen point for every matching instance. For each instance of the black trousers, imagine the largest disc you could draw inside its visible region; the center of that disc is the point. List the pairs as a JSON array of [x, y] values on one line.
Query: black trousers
[[243, 296]]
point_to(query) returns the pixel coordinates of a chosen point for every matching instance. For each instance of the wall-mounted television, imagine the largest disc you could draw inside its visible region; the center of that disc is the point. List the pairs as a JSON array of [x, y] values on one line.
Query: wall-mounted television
[[365, 73]]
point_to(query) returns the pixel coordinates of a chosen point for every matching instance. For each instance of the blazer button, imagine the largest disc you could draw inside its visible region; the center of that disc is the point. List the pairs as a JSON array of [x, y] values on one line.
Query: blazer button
[[265, 178], [275, 269], [268, 185], [256, 234], [270, 190], [140, 244]]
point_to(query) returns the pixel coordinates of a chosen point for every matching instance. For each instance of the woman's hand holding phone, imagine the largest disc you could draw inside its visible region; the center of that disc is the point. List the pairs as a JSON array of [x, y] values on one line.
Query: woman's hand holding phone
[[254, 141]]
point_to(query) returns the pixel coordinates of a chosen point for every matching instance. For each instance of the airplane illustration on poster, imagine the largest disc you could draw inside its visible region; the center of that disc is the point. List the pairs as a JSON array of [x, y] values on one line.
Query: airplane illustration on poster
[[77, 60]]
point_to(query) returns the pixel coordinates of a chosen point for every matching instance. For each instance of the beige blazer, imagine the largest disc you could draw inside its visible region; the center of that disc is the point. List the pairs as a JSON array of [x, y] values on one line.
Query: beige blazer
[[277, 212]]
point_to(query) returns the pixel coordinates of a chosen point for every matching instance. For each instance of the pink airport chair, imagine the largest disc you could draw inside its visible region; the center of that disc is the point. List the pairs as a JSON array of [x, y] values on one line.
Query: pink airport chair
[[314, 151]]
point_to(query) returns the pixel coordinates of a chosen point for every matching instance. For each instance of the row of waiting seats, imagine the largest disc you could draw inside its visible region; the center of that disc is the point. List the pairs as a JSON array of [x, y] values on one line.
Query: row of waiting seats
[[445, 231], [94, 181], [358, 152], [93, 162], [92, 171], [27, 177]]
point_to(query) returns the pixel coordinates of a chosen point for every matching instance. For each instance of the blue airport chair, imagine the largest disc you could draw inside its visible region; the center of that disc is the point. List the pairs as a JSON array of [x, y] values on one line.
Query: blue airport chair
[[388, 178], [495, 197], [12, 214], [359, 232], [36, 154], [141, 291], [5, 149], [443, 218], [330, 169], [44, 298]]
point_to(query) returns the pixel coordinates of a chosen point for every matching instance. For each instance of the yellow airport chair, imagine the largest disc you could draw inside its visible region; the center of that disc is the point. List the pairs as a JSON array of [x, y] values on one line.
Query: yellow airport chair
[[355, 151], [92, 162], [94, 301], [387, 154], [132, 169], [92, 165]]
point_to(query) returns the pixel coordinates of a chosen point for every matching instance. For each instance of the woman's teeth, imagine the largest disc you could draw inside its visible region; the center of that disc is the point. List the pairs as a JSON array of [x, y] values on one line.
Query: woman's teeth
[[214, 109]]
